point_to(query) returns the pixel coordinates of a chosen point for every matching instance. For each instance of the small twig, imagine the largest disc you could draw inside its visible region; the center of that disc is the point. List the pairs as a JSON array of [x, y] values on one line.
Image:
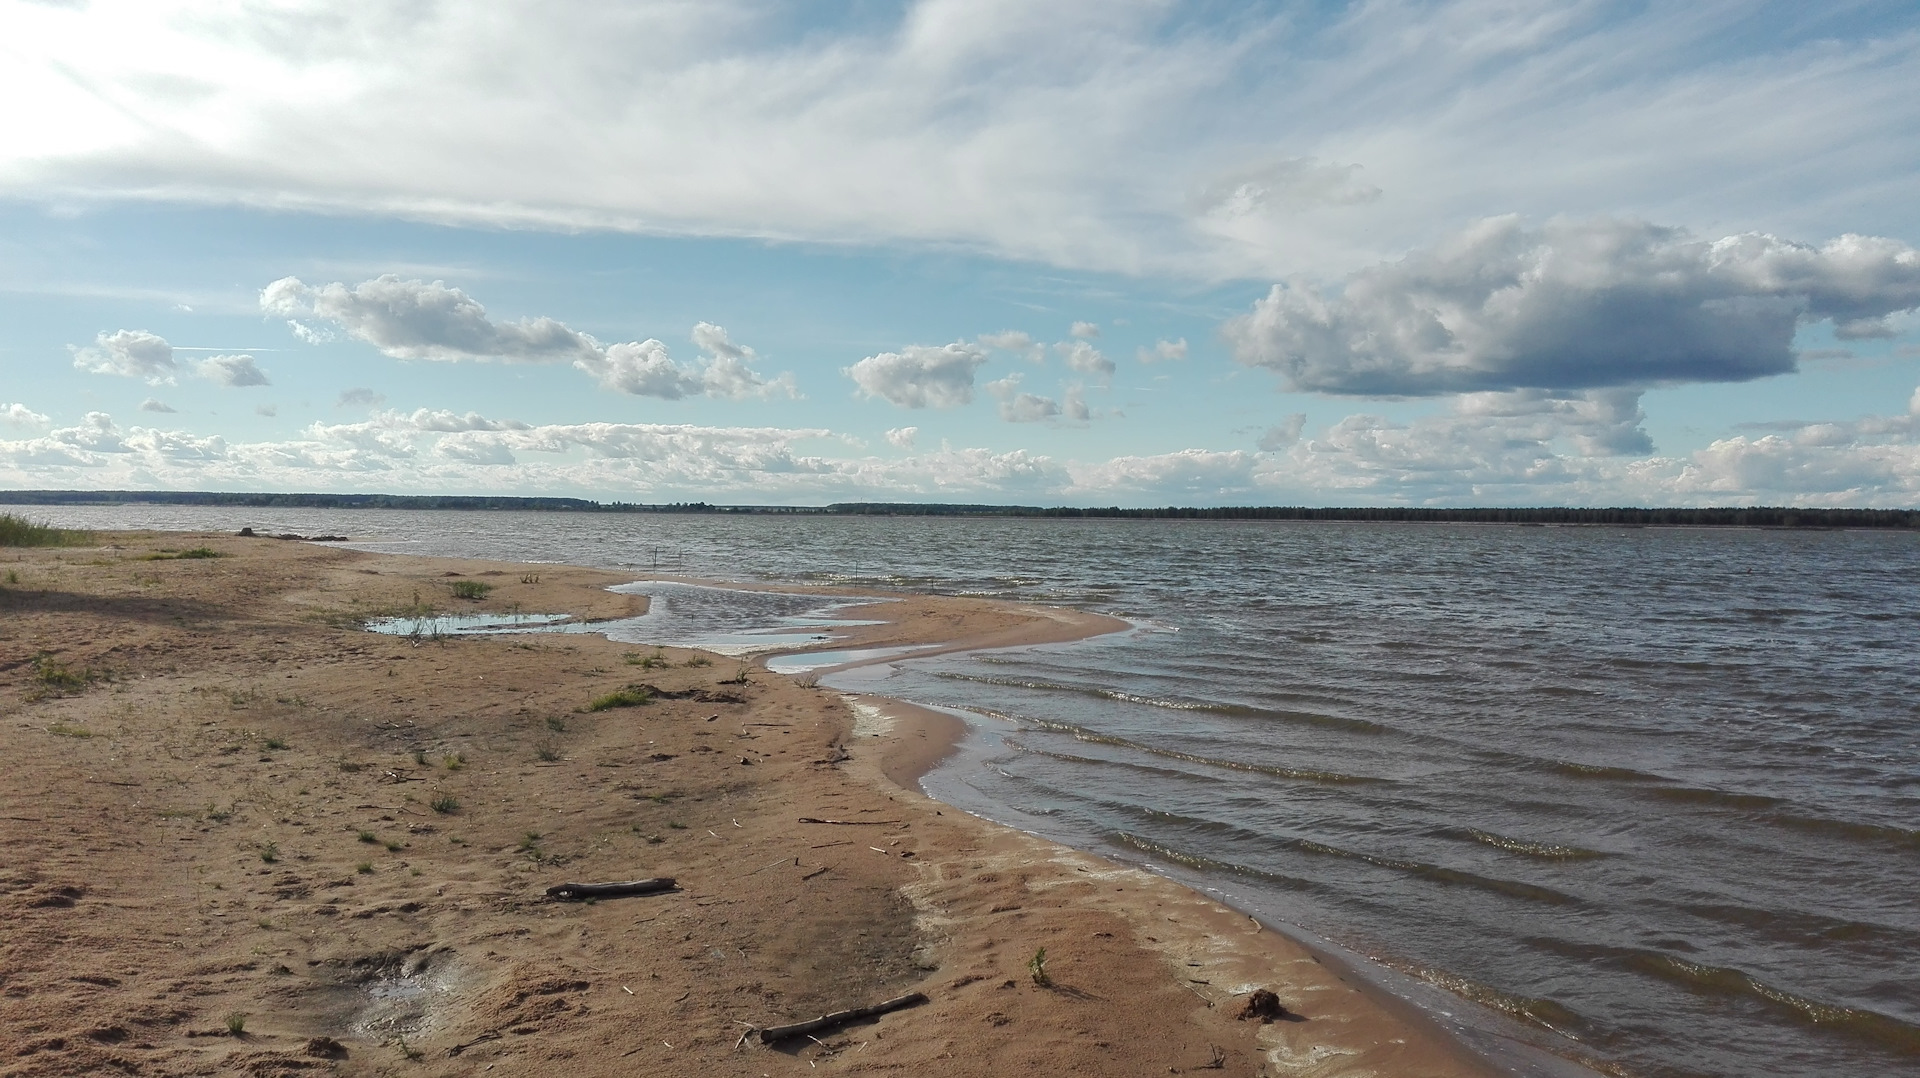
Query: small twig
[[824, 845], [849, 823], [815, 872], [839, 1018]]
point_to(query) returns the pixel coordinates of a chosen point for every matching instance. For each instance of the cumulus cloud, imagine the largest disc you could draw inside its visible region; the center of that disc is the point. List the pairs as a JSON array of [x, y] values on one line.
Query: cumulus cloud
[[152, 404], [920, 376], [411, 319], [903, 437], [1085, 331], [236, 371], [1019, 407], [20, 417], [1163, 351], [129, 353], [1085, 358], [359, 397], [421, 320], [1572, 305], [1017, 342]]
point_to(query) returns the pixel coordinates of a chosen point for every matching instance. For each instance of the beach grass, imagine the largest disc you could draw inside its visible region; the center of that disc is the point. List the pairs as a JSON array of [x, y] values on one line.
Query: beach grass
[[19, 531]]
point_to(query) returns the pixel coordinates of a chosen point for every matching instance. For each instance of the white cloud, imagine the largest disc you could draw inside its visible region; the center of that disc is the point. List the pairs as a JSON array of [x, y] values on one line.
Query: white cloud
[[1516, 448], [642, 368], [419, 320], [1110, 136], [21, 417], [359, 397], [152, 404], [1018, 407], [1085, 331], [920, 376], [1017, 342], [1163, 351], [268, 410], [902, 437], [1085, 358], [129, 353], [236, 371], [1572, 305]]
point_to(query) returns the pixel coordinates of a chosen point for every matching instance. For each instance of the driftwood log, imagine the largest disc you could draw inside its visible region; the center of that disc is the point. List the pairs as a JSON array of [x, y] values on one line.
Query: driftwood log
[[840, 1018], [850, 823], [575, 892]]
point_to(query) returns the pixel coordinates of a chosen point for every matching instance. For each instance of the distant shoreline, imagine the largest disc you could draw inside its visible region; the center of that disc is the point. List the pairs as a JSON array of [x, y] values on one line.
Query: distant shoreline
[[1620, 516]]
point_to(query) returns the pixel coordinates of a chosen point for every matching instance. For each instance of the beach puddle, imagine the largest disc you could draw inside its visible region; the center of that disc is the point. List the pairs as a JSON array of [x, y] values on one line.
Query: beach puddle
[[479, 624]]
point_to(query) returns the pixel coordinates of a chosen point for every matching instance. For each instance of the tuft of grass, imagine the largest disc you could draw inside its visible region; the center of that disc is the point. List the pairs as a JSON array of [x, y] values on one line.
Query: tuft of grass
[[647, 662], [350, 767], [420, 757], [699, 660], [196, 554], [454, 761], [270, 852], [470, 589], [408, 1050], [275, 744], [236, 1022], [19, 531], [365, 868], [546, 752], [393, 845], [61, 729], [368, 837], [739, 678], [13, 577], [530, 578], [445, 804], [627, 697], [557, 724], [57, 677], [1037, 967]]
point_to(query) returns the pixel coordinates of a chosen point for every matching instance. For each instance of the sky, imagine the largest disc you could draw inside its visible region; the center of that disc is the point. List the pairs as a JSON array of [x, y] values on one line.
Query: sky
[[1115, 252]]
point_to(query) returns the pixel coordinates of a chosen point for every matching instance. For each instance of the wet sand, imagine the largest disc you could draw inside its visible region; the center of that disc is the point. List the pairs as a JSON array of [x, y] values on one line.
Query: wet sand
[[226, 805]]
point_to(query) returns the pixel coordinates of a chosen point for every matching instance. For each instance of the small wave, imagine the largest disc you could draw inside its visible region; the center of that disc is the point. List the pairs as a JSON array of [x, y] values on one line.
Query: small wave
[[1701, 795], [1727, 982], [1310, 718], [1442, 874], [1081, 733], [1575, 770], [1207, 864], [1859, 832], [1545, 850], [1809, 929], [1545, 1013]]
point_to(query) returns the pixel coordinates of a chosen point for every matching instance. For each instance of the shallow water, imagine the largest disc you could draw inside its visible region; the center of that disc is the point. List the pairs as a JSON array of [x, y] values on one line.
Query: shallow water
[[1654, 792]]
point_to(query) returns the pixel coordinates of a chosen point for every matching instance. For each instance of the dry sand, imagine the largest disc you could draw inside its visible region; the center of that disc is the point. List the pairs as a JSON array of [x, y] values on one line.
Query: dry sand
[[221, 798]]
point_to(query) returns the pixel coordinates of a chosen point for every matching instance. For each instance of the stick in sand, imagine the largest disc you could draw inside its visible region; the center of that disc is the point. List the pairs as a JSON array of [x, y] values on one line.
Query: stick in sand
[[574, 892], [840, 1018]]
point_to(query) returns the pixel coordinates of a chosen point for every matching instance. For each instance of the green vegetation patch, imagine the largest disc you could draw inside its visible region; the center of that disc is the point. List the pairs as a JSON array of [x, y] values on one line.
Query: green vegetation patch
[[631, 696], [470, 589], [196, 554], [19, 531]]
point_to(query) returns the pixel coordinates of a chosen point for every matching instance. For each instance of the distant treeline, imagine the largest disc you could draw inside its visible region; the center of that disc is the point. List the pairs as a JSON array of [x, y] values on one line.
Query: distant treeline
[[1751, 517]]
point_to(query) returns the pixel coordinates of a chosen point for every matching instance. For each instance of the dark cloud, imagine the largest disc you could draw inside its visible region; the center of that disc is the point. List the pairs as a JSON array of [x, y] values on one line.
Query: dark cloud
[[1572, 306]]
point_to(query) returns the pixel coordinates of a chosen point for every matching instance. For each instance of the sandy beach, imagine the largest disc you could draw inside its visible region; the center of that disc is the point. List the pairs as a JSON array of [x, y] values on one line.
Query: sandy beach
[[244, 836]]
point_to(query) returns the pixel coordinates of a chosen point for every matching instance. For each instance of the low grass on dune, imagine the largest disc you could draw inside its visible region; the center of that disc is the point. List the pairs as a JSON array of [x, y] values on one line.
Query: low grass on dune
[[19, 531]]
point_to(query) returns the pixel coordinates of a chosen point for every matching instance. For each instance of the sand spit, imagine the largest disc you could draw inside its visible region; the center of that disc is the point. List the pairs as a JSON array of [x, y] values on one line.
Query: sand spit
[[243, 836]]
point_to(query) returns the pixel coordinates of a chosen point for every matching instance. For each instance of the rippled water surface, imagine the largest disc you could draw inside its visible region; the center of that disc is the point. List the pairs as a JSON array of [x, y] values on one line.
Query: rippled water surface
[[1653, 792]]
